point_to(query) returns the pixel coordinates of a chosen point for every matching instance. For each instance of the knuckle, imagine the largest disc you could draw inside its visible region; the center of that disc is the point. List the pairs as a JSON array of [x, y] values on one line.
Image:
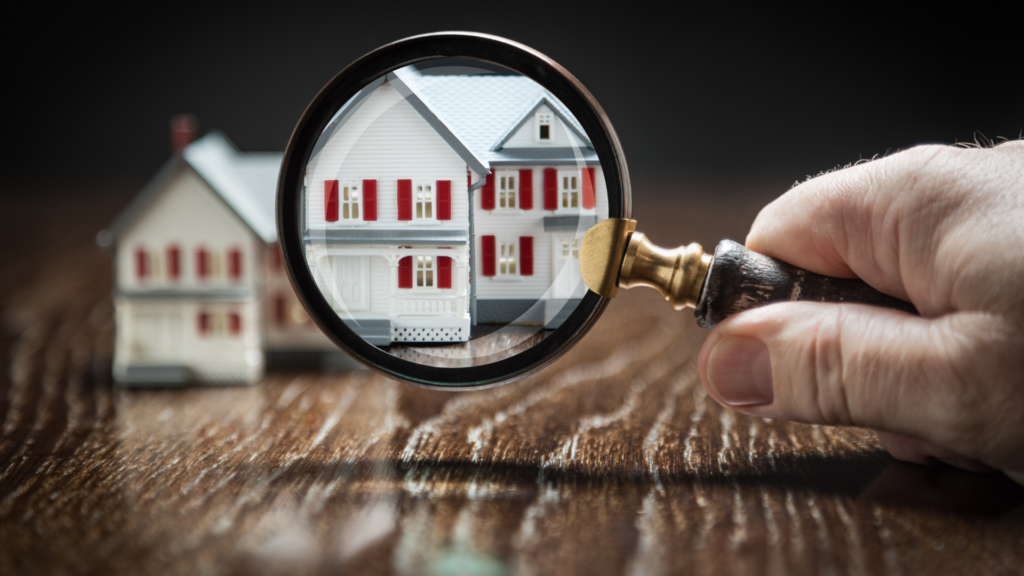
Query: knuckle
[[827, 371]]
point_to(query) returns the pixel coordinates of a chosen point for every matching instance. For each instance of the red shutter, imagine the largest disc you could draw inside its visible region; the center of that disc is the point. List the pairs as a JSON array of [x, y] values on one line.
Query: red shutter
[[235, 264], [202, 263], [444, 272], [369, 200], [469, 179], [173, 262], [235, 323], [588, 187], [405, 199], [550, 189], [487, 193], [526, 255], [279, 310], [331, 200], [203, 323], [444, 199], [278, 259], [487, 259], [405, 272], [526, 189], [141, 270]]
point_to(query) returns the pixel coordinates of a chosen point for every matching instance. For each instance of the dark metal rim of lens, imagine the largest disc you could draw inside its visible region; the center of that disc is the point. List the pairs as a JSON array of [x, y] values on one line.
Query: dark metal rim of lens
[[348, 83]]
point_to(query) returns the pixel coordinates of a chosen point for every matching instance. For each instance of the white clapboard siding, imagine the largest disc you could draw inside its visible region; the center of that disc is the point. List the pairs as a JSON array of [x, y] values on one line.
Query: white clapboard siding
[[167, 332], [512, 224], [386, 140], [189, 215]]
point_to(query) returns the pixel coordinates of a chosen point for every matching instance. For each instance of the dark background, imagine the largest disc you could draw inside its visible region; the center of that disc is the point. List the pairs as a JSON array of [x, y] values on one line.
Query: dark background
[[722, 97]]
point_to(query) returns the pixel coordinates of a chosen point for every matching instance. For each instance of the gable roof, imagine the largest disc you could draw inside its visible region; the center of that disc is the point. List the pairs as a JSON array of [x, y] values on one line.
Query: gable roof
[[544, 101], [485, 110], [475, 115], [245, 181]]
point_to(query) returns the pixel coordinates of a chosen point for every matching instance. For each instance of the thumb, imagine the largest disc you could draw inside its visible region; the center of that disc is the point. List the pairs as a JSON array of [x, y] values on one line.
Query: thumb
[[849, 364]]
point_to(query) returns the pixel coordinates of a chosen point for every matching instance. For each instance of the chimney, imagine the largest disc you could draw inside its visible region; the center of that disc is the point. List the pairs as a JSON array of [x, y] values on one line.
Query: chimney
[[183, 131]]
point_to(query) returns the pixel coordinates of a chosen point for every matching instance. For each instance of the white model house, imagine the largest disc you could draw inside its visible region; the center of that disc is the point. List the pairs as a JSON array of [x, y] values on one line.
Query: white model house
[[437, 203], [201, 294]]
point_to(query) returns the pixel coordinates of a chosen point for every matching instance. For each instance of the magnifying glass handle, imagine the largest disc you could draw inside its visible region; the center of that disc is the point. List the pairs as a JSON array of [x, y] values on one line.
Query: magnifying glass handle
[[739, 279], [614, 255]]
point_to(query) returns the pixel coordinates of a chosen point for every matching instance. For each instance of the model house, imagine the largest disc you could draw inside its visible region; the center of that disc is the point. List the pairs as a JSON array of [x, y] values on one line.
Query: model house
[[201, 294], [438, 203]]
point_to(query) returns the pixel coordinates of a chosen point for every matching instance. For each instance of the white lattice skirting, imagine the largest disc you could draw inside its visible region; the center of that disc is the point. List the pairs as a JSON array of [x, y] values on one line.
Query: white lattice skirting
[[441, 334]]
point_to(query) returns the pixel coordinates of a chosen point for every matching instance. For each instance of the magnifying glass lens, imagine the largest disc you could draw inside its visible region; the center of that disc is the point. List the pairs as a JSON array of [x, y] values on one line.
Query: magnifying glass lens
[[442, 212]]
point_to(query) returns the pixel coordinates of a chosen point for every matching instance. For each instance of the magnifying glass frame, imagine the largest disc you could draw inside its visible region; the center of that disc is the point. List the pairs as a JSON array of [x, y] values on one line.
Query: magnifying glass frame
[[344, 86]]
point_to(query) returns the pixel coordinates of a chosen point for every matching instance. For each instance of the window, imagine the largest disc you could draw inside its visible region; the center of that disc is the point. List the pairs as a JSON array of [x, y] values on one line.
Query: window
[[424, 271], [570, 192], [507, 259], [424, 201], [507, 190], [570, 248], [216, 269], [350, 201], [218, 323], [544, 127]]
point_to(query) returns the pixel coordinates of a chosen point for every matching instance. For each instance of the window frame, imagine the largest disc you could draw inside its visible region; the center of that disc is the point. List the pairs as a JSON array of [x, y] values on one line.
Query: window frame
[[430, 203], [348, 185], [564, 177], [500, 245], [424, 269], [501, 195], [542, 119]]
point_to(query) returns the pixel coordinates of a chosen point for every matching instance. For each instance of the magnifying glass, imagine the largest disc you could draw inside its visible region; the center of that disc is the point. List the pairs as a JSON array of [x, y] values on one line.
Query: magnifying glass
[[453, 211]]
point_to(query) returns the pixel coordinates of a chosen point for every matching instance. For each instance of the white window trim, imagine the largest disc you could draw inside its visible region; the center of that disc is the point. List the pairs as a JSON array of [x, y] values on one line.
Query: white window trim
[[342, 221], [562, 175], [506, 277], [579, 209], [538, 121], [416, 269], [515, 192], [433, 203]]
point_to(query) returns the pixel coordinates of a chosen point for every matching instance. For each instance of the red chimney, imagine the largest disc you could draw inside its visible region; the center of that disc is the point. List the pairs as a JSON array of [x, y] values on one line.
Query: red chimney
[[183, 131]]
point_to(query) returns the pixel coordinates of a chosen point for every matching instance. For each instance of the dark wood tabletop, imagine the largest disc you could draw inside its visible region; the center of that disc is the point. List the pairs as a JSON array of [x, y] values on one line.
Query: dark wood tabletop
[[611, 461]]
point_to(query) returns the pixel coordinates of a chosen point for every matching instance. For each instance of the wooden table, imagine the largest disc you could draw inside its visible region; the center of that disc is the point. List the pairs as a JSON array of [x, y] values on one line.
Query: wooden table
[[612, 461]]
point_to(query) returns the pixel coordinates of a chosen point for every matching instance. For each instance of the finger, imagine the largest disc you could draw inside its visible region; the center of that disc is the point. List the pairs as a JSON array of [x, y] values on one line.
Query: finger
[[846, 364], [878, 221]]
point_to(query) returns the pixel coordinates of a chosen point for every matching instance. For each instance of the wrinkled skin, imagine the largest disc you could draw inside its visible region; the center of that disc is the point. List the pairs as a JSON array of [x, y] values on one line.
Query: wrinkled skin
[[940, 226]]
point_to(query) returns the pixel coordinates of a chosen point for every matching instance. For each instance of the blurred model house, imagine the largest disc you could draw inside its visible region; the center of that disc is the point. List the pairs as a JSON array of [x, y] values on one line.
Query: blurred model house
[[437, 203], [201, 294]]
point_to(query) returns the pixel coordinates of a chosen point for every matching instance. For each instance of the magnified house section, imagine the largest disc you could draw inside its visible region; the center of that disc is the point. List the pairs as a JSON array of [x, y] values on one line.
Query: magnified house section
[[437, 204]]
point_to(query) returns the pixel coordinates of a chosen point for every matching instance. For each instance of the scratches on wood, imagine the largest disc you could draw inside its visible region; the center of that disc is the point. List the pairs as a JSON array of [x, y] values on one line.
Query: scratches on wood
[[613, 460]]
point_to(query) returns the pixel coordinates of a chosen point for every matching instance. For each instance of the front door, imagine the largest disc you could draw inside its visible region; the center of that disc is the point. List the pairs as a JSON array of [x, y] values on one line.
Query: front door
[[352, 280], [158, 337], [568, 281]]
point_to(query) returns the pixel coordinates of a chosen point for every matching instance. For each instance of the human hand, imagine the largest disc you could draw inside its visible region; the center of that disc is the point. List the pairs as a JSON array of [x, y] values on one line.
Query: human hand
[[939, 226]]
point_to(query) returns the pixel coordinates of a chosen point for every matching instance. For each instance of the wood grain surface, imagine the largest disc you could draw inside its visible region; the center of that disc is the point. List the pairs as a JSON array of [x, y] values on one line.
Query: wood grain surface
[[612, 461]]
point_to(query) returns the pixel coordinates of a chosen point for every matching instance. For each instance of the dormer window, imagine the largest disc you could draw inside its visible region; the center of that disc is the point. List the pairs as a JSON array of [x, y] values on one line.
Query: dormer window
[[544, 127]]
